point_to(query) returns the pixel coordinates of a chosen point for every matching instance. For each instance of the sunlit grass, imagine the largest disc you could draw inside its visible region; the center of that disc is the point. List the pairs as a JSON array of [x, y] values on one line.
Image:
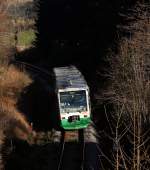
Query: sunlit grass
[[26, 38]]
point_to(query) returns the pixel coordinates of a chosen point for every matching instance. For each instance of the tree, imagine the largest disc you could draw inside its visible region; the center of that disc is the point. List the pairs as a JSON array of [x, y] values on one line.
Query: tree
[[129, 92]]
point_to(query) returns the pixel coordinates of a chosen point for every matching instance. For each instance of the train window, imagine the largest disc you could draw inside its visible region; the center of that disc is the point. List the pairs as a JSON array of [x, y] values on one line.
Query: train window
[[73, 101]]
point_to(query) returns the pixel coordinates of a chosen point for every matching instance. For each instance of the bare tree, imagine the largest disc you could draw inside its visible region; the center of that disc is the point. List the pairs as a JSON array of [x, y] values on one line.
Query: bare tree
[[129, 93]]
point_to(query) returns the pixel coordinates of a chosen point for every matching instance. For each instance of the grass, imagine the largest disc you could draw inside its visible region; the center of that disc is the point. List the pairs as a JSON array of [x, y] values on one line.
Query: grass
[[26, 38]]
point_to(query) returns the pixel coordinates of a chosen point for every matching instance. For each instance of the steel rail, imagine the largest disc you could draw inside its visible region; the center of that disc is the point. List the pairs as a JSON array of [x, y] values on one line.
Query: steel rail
[[31, 66], [62, 151], [82, 152], [81, 136]]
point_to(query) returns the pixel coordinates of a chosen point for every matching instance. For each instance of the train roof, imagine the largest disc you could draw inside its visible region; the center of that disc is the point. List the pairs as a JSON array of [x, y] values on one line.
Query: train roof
[[69, 77]]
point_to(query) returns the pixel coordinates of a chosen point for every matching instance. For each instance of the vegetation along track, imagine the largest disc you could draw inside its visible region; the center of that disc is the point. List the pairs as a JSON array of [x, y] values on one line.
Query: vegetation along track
[[64, 150], [79, 150], [60, 150]]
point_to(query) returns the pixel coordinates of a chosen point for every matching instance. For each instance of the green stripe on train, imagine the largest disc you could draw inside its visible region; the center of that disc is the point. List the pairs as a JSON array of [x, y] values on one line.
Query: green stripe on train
[[78, 124]]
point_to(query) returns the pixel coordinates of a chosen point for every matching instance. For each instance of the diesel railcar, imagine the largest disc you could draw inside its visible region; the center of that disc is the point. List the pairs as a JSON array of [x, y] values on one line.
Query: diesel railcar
[[73, 98]]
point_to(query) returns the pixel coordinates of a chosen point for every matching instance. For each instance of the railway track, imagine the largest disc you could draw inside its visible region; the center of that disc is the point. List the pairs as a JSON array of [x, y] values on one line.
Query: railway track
[[69, 150], [79, 150], [36, 71], [72, 151]]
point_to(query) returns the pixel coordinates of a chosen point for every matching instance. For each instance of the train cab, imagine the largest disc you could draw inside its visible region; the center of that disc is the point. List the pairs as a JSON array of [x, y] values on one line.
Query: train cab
[[73, 98]]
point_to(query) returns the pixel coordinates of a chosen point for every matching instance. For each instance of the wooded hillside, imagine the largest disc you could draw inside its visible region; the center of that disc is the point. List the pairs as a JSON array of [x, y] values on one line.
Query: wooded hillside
[[109, 41]]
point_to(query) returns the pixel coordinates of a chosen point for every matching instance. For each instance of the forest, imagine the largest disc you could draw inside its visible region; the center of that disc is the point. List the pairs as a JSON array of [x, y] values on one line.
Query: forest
[[109, 42]]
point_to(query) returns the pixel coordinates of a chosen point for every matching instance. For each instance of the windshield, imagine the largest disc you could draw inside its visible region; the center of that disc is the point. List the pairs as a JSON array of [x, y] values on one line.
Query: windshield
[[73, 101]]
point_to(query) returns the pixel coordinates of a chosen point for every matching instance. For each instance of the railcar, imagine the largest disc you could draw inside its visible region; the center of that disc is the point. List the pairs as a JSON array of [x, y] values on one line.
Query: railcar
[[73, 98]]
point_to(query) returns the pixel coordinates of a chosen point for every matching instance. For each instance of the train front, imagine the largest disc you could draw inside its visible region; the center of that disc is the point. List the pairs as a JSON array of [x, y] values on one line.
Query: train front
[[74, 107]]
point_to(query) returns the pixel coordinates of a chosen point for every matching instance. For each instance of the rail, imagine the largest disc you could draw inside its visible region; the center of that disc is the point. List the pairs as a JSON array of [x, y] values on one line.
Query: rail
[[74, 153], [31, 67]]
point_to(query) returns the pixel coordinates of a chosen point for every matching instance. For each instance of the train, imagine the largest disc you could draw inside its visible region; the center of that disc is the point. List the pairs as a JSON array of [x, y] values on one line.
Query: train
[[73, 97]]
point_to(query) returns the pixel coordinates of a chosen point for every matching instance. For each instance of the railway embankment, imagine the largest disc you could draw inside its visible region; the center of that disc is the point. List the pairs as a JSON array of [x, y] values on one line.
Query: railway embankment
[[57, 150]]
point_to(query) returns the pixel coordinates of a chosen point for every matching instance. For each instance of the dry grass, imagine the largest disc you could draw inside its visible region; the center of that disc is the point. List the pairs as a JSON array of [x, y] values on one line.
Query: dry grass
[[13, 124], [11, 26], [1, 145], [12, 83], [6, 34]]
